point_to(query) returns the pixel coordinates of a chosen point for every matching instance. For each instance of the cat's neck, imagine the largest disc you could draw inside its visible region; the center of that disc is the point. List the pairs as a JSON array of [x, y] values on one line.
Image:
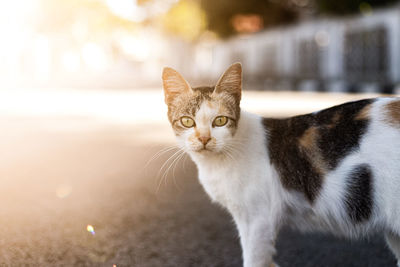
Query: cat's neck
[[246, 174]]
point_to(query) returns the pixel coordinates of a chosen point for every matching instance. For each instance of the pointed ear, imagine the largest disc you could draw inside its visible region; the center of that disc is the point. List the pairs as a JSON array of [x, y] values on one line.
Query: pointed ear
[[231, 81], [174, 84]]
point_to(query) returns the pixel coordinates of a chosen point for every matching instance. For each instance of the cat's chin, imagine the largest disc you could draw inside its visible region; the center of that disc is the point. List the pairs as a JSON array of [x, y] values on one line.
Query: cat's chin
[[205, 152]]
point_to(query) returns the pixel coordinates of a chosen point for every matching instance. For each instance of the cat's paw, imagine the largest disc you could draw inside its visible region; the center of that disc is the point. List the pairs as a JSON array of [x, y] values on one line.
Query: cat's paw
[[273, 265]]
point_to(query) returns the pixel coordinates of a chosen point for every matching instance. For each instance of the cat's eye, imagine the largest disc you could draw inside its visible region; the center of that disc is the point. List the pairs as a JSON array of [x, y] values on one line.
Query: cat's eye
[[187, 122], [220, 121]]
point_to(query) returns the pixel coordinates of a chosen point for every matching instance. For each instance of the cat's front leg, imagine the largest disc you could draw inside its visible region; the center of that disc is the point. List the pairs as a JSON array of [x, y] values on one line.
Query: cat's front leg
[[257, 237]]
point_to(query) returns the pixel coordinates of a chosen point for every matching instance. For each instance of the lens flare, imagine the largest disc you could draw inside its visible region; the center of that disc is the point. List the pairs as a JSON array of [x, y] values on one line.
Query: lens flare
[[90, 229]]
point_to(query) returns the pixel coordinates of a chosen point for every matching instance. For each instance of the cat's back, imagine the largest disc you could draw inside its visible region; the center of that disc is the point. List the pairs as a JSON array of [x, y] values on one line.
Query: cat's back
[[305, 148], [345, 159]]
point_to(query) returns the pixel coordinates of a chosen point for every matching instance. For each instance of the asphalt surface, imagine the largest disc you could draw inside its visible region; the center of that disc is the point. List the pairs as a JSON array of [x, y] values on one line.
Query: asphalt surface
[[59, 174]]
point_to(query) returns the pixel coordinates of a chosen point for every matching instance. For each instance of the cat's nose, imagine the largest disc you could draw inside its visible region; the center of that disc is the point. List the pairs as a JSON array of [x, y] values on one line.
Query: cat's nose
[[204, 139]]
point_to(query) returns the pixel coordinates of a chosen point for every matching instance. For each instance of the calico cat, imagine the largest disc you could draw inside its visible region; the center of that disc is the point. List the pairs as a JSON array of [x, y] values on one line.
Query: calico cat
[[336, 170]]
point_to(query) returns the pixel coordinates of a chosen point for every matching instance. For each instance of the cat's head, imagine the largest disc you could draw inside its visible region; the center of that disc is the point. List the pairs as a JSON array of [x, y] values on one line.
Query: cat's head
[[204, 119]]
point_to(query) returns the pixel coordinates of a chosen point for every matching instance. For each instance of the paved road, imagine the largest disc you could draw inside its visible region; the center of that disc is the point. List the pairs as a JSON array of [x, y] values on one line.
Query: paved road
[[65, 166]]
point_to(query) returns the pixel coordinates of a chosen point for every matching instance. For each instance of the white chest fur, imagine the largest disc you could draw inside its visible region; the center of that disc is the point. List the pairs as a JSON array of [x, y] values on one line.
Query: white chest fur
[[224, 185], [248, 187], [239, 183]]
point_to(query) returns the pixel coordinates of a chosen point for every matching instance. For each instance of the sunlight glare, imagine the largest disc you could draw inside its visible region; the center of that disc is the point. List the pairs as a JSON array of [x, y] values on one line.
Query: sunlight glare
[[71, 61], [94, 56], [138, 48], [42, 54], [127, 9]]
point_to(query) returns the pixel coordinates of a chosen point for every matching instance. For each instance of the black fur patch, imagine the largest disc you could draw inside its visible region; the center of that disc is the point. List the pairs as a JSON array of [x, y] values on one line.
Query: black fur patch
[[338, 132], [339, 138], [295, 169], [358, 199]]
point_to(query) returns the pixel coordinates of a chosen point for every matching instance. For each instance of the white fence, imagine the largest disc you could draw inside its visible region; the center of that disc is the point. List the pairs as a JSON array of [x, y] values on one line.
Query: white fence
[[353, 54]]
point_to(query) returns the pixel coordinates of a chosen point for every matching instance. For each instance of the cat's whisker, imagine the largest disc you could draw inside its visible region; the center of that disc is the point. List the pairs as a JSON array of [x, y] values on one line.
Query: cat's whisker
[[233, 157], [159, 154], [166, 171], [241, 139], [235, 153], [228, 153], [173, 169], [175, 160], [236, 143], [238, 140], [233, 149], [184, 162], [238, 149], [166, 162], [173, 166], [224, 146], [163, 166]]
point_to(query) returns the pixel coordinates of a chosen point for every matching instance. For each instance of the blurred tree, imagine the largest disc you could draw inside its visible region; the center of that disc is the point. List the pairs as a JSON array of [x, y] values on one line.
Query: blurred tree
[[222, 14], [142, 2], [343, 7], [186, 19]]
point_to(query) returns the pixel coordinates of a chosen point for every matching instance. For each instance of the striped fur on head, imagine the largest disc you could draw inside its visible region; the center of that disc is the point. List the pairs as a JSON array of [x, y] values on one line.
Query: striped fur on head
[[203, 105]]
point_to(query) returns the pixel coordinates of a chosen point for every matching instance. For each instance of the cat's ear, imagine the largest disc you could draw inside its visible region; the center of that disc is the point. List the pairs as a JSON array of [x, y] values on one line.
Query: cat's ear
[[231, 81], [174, 84]]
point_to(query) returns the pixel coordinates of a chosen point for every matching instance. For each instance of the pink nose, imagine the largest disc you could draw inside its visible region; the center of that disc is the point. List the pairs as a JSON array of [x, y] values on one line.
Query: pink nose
[[204, 139]]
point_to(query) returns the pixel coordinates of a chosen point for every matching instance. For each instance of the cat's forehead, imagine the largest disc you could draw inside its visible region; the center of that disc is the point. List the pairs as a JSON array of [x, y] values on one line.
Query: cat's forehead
[[205, 91], [206, 97], [189, 104], [207, 110]]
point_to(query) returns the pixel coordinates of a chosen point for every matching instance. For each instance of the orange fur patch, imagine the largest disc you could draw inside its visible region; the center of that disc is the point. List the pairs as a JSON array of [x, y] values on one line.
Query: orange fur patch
[[308, 144], [308, 138], [335, 120], [364, 114], [393, 113]]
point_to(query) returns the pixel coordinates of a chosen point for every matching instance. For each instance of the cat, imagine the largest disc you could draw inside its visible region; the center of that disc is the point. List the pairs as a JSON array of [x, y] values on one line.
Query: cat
[[334, 170]]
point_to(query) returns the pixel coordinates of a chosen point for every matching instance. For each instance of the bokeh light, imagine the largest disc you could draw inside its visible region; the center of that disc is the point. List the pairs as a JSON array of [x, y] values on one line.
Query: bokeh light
[[90, 229]]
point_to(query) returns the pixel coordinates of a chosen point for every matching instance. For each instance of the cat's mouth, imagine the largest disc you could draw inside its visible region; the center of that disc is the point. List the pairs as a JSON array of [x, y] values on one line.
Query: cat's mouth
[[203, 149]]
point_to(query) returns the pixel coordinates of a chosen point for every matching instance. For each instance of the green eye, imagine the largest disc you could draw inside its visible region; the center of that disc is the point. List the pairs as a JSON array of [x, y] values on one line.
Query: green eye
[[187, 122], [220, 121]]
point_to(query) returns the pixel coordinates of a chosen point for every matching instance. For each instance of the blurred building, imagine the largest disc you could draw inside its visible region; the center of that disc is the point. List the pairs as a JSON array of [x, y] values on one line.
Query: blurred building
[[103, 43], [351, 54]]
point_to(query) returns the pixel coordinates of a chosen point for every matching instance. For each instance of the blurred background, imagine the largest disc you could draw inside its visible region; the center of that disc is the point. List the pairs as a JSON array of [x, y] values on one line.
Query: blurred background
[[307, 45], [89, 171]]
